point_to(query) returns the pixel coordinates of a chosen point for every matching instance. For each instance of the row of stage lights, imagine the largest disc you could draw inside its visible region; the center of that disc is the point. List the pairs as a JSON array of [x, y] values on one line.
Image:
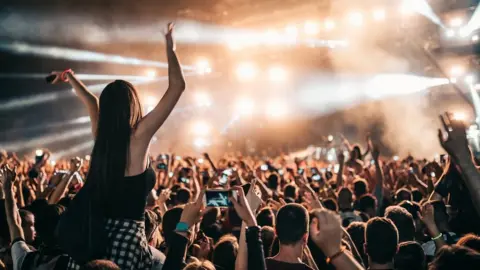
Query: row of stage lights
[[458, 28], [458, 72]]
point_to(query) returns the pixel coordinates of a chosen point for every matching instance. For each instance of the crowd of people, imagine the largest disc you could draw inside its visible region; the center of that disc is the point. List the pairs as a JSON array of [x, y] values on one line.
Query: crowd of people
[[121, 208]]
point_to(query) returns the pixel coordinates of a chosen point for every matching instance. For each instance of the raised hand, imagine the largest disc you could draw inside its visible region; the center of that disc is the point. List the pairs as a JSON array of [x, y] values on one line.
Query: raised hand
[[455, 143], [192, 212], [375, 152], [164, 196], [168, 36], [326, 231], [427, 216], [242, 207], [8, 177], [59, 78], [340, 157], [312, 201]]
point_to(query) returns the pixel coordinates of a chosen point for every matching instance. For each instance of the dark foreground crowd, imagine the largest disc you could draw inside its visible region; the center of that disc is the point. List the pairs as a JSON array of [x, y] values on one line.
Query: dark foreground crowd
[[121, 209]]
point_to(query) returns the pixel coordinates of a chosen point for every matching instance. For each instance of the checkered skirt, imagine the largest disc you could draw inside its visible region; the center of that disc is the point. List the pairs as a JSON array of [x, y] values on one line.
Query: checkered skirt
[[128, 246]]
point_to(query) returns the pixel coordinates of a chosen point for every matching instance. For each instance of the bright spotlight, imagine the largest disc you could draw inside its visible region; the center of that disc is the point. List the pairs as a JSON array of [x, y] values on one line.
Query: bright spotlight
[[203, 67], [201, 128], [456, 22], [329, 24], [475, 38], [203, 99], [246, 71], [450, 33], [291, 30], [470, 79], [457, 71], [200, 142], [311, 28], [151, 73], [379, 14], [453, 80], [277, 74], [39, 152], [355, 18], [459, 116], [464, 32], [245, 106], [276, 109]]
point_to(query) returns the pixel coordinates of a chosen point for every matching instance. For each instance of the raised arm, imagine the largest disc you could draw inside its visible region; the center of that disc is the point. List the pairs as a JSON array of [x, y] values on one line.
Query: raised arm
[[11, 209], [380, 178], [176, 84]]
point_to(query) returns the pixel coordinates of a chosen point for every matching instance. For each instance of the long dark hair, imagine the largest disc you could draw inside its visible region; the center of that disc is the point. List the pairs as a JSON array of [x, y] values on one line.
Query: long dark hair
[[120, 111]]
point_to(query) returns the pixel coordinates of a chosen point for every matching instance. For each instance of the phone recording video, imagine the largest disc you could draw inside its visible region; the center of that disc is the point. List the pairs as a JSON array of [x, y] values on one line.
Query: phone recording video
[[225, 176], [39, 154], [316, 177], [301, 171], [161, 166], [184, 180], [218, 198], [264, 167]]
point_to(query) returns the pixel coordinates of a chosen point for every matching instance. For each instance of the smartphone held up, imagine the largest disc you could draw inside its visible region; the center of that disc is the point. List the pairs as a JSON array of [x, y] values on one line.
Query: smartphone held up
[[219, 198]]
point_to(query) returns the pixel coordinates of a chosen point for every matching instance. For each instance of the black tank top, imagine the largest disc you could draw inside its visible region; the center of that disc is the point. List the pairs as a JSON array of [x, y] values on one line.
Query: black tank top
[[130, 196]]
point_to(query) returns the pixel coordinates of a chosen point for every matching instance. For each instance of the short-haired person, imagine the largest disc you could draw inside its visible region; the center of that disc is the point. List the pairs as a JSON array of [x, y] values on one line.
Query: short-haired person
[[404, 222], [28, 225], [292, 232], [381, 243], [410, 256], [456, 257], [345, 206]]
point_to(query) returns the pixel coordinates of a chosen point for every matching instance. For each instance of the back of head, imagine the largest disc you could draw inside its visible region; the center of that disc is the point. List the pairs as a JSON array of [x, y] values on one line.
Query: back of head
[[292, 224], [456, 257], [119, 113], [345, 197], [412, 207], [46, 220], [381, 240], [403, 221], [203, 265], [417, 195], [330, 204], [356, 230], [268, 236], [402, 195], [266, 217], [100, 265], [290, 191], [366, 203], [360, 187], [272, 181], [169, 222], [410, 256], [183, 196], [233, 218], [225, 252], [209, 217], [471, 241]]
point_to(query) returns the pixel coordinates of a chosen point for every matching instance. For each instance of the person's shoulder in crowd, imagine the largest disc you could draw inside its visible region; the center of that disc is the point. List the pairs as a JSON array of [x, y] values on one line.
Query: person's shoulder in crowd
[[273, 264]]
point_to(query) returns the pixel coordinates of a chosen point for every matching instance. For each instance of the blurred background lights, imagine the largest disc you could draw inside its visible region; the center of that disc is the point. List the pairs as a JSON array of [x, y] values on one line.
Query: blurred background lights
[[277, 74], [246, 71], [355, 18], [379, 14], [245, 106], [311, 28]]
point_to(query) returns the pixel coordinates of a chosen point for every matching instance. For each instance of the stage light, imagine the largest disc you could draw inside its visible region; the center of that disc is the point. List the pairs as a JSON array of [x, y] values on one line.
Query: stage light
[[470, 79], [459, 116], [291, 30], [200, 142], [203, 99], [330, 138], [277, 74], [200, 161], [450, 33], [475, 38], [87, 157], [245, 106], [456, 71], [464, 32], [355, 18], [246, 71], [151, 73], [453, 80], [379, 14], [329, 24], [203, 67], [201, 128], [39, 152], [53, 163], [456, 22], [276, 109], [311, 28]]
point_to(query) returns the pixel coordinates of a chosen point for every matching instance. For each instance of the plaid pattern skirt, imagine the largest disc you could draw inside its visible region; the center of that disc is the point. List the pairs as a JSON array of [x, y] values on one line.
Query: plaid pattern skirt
[[128, 246]]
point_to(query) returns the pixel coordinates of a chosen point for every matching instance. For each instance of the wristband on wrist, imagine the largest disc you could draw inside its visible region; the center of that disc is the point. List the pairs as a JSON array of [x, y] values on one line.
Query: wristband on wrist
[[63, 76], [182, 227], [437, 237], [336, 255]]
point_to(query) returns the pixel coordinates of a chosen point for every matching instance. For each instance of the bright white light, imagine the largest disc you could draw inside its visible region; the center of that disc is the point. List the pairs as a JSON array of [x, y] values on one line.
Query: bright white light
[[475, 38], [53, 163], [311, 28], [330, 138], [456, 22], [151, 100], [200, 142], [277, 74], [246, 71], [87, 157], [450, 33], [291, 30], [203, 99], [379, 14], [272, 37], [459, 116], [276, 109], [201, 128], [200, 160], [329, 24], [453, 80], [245, 106], [151, 73], [470, 79], [355, 18], [150, 108], [39, 152], [203, 66], [457, 71], [464, 32]]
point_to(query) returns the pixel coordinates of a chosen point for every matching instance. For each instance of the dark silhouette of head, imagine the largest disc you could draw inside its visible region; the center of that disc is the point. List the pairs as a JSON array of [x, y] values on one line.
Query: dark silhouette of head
[[360, 187], [331, 204], [292, 224], [404, 222], [120, 111], [381, 240], [356, 230], [100, 265], [345, 198], [225, 252], [455, 257], [268, 236], [266, 217], [367, 204], [410, 256]]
